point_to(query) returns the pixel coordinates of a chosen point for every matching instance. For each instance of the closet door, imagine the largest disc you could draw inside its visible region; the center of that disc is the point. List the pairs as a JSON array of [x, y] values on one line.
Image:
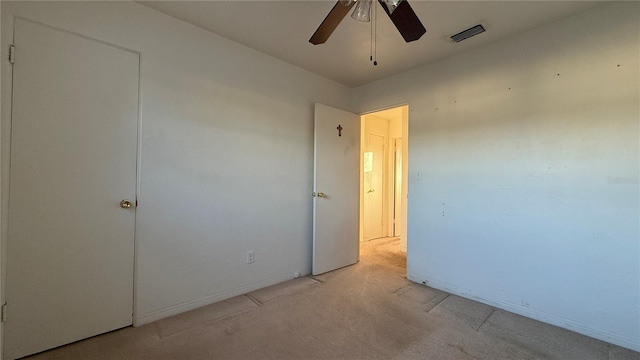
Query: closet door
[[70, 247]]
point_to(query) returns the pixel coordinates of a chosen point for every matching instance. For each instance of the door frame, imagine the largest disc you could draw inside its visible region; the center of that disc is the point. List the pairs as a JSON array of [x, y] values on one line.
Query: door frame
[[397, 198], [7, 24], [405, 169]]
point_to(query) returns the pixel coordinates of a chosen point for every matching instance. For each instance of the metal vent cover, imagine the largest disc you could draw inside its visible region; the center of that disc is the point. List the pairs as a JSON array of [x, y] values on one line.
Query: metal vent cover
[[465, 34]]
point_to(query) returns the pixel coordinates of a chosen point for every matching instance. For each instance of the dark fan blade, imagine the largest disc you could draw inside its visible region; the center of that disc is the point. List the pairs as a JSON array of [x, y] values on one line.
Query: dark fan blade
[[330, 23], [406, 21]]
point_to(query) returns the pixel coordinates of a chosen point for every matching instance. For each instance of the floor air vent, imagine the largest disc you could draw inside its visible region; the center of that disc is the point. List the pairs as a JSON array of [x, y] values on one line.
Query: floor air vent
[[465, 34]]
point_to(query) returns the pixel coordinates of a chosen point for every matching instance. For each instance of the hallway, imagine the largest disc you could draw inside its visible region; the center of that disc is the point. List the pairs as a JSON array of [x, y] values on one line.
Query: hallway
[[365, 311]]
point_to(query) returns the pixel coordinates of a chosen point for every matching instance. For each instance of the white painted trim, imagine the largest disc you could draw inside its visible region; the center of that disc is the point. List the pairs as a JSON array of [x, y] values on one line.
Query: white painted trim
[[136, 245], [369, 112], [604, 335], [158, 314]]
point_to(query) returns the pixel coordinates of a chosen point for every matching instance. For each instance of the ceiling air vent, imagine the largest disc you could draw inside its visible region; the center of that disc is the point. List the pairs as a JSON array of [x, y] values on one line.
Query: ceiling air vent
[[465, 34]]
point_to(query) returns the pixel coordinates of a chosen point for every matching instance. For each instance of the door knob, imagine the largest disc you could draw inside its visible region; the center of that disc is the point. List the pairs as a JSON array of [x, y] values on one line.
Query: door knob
[[125, 204], [318, 194]]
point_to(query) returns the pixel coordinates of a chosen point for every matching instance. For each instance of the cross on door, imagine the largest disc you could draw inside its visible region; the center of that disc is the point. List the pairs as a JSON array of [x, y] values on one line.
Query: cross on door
[[339, 130]]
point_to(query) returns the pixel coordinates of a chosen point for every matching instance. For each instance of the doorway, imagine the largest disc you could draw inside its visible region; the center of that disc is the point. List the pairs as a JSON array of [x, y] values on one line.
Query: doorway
[[384, 175]]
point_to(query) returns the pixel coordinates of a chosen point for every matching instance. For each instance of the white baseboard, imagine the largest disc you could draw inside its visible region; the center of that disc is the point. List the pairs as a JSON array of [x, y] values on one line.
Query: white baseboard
[[156, 315], [604, 335]]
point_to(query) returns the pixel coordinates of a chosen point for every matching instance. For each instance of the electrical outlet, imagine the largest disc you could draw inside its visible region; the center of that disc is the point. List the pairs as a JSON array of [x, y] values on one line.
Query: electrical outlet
[[296, 275], [251, 256]]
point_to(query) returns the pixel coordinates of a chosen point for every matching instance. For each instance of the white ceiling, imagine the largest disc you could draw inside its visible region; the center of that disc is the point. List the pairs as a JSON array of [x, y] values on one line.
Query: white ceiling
[[282, 29]]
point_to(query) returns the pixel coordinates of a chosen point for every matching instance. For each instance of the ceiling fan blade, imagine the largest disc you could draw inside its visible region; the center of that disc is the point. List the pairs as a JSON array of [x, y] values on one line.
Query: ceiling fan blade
[[330, 23], [406, 21]]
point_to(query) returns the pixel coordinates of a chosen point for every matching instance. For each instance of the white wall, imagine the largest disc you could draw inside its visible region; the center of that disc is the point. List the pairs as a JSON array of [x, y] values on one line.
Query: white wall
[[530, 146], [226, 154]]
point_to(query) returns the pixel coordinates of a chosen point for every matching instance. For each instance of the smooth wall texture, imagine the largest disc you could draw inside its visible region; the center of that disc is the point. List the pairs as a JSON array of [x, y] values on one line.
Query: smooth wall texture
[[524, 164], [225, 154]]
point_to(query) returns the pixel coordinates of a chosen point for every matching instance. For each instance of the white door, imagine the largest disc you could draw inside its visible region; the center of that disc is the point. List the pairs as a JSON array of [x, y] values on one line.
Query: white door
[[374, 187], [73, 159], [336, 189]]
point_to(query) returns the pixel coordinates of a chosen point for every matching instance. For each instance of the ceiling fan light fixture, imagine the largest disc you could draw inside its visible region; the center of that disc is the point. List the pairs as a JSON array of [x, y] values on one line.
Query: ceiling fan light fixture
[[391, 5], [405, 19], [362, 11]]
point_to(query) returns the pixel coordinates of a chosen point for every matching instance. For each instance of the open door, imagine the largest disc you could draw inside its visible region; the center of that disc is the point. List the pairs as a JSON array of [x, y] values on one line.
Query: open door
[[336, 189]]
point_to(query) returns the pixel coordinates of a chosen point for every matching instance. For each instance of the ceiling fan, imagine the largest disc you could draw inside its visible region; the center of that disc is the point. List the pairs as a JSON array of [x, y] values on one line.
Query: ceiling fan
[[399, 11]]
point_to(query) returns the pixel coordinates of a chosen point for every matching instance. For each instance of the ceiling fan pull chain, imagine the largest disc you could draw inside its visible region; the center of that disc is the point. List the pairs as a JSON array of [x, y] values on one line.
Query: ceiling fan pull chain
[[375, 35], [371, 42]]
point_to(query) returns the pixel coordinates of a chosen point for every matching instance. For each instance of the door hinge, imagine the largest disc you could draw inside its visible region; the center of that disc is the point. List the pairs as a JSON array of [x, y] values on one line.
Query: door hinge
[[12, 54], [3, 315]]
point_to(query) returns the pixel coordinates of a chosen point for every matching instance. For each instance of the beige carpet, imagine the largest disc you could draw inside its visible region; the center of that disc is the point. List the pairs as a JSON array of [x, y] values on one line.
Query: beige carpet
[[365, 311]]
